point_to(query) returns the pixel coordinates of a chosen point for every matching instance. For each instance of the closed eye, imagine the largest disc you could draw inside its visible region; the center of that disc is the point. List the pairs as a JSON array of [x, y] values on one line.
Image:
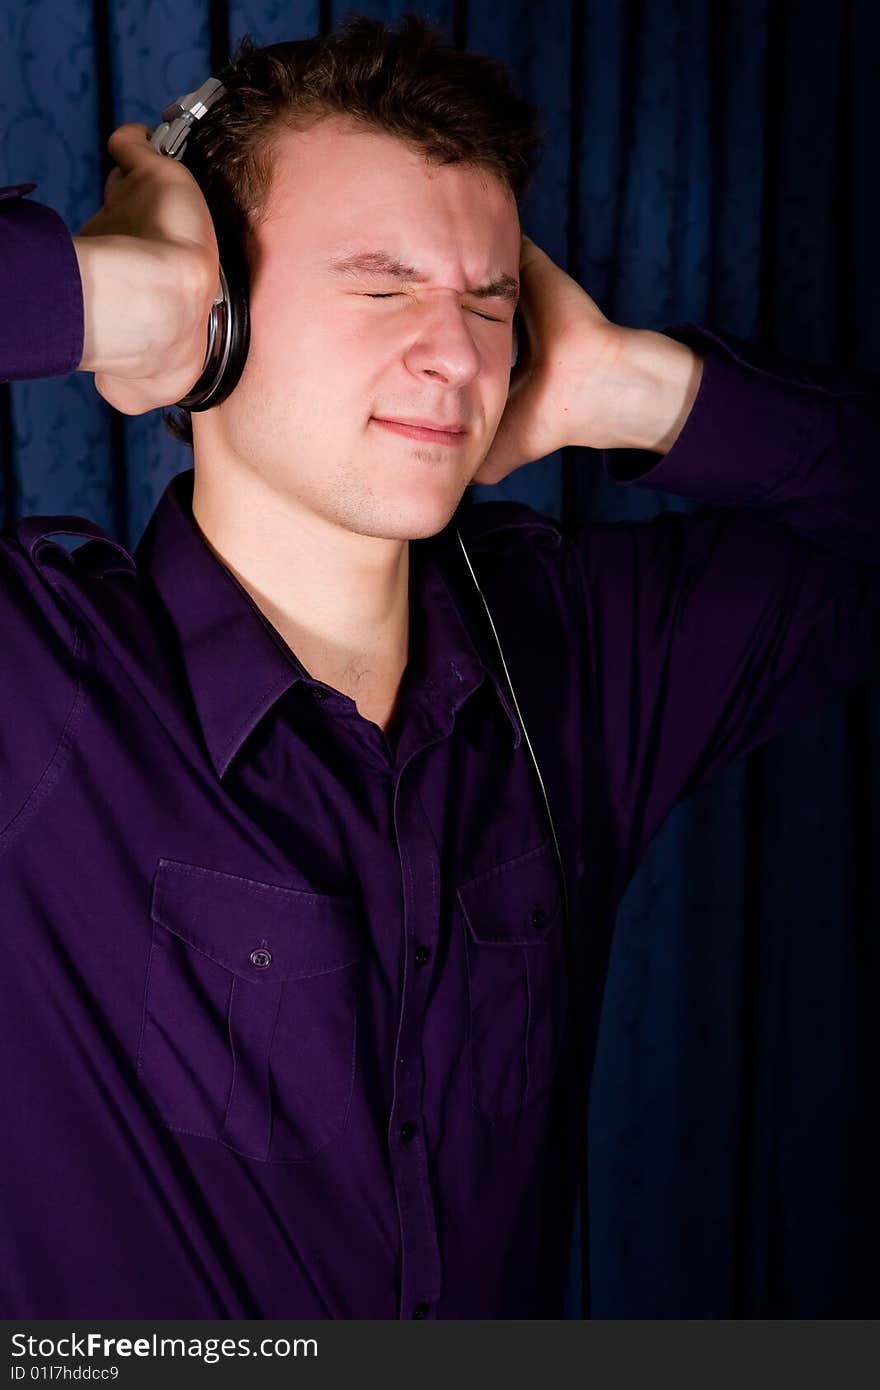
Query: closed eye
[[391, 294]]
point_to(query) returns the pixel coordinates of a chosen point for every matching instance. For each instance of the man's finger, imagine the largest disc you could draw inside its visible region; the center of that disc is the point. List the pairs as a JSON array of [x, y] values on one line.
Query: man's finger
[[130, 144]]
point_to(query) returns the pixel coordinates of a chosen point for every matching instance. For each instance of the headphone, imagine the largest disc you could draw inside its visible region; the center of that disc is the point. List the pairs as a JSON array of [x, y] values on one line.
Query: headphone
[[229, 326], [228, 340]]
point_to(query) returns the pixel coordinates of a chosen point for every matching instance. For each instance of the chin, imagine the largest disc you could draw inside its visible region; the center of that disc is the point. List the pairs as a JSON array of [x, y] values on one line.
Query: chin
[[431, 516], [413, 519]]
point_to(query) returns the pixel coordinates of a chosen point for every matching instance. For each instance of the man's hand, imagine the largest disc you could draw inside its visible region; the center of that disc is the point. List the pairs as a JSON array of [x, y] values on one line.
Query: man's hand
[[586, 381], [149, 265]]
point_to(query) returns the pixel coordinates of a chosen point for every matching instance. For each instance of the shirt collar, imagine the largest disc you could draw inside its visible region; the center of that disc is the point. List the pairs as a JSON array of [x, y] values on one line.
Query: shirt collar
[[237, 664]]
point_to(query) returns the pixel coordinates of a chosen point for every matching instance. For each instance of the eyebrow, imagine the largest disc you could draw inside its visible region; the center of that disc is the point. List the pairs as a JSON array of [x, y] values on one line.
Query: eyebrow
[[383, 263]]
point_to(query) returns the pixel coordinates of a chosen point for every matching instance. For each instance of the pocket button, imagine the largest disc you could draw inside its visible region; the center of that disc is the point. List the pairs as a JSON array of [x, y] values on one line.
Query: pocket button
[[261, 959], [539, 919]]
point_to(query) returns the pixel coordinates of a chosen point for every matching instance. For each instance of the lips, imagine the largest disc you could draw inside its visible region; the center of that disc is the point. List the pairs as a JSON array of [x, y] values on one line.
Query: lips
[[441, 426], [426, 434]]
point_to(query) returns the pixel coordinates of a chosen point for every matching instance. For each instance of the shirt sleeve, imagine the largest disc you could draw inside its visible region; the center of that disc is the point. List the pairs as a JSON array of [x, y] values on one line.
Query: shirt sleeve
[[41, 296], [711, 633]]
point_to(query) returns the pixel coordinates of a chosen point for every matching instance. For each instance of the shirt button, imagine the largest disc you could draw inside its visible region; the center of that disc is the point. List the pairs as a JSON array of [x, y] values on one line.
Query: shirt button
[[420, 1310], [423, 955], [261, 959], [407, 1131], [319, 695], [539, 919]]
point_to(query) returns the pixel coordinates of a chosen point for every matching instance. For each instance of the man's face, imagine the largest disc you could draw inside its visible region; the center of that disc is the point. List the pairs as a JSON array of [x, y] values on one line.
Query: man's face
[[328, 356]]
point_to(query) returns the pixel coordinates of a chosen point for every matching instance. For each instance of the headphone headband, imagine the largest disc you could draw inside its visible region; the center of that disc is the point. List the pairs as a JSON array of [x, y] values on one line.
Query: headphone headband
[[179, 116]]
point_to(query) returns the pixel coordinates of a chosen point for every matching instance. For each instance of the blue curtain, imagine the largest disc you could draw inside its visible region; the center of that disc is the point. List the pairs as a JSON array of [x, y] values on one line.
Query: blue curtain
[[707, 160]]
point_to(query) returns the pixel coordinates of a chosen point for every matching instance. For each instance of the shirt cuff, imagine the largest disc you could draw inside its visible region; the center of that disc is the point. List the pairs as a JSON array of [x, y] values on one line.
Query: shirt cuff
[[41, 295], [752, 416]]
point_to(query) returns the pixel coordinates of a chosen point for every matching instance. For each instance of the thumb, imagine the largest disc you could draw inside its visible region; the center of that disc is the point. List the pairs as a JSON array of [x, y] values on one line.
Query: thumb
[[129, 145]]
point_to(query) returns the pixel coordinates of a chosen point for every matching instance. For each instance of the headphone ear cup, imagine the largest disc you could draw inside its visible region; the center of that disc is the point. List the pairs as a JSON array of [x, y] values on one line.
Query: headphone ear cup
[[228, 329], [240, 334], [228, 341]]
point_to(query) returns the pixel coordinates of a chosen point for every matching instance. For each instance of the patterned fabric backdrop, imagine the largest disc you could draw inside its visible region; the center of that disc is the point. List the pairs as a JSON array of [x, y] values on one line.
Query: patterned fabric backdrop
[[706, 160]]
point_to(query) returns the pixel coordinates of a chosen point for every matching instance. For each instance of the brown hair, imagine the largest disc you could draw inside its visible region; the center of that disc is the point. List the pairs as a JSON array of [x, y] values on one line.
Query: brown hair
[[452, 106]]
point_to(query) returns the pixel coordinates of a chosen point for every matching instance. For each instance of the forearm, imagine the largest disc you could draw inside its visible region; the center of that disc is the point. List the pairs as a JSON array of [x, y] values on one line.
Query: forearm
[[795, 441]]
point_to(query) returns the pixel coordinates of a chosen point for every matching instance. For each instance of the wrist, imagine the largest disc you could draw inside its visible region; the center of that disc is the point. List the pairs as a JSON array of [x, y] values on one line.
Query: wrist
[[128, 306], [654, 384]]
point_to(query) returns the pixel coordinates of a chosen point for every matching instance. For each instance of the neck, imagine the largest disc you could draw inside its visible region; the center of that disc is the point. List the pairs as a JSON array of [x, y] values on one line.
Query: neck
[[339, 600]]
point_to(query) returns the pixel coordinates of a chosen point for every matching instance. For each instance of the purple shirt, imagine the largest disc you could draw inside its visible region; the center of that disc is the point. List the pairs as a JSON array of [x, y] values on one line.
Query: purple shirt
[[283, 1006]]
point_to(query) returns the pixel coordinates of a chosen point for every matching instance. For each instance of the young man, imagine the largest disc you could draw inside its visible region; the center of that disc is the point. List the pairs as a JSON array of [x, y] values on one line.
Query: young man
[[285, 1001]]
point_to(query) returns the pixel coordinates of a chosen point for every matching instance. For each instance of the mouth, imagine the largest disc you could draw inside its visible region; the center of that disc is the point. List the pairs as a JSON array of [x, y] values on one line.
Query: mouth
[[421, 432]]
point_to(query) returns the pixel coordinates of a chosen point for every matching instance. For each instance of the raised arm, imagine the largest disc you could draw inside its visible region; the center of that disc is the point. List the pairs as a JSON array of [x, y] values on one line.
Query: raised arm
[[713, 632], [128, 298]]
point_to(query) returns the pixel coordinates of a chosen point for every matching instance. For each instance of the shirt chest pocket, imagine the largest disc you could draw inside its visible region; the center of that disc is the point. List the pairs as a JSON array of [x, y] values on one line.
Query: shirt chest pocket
[[516, 978], [250, 1012]]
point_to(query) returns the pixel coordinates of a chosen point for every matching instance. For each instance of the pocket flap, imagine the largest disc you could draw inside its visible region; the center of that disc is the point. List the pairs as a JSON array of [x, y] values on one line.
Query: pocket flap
[[516, 903], [258, 930]]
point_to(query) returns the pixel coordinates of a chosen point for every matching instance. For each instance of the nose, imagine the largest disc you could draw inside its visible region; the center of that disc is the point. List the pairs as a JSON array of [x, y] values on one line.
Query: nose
[[445, 347]]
